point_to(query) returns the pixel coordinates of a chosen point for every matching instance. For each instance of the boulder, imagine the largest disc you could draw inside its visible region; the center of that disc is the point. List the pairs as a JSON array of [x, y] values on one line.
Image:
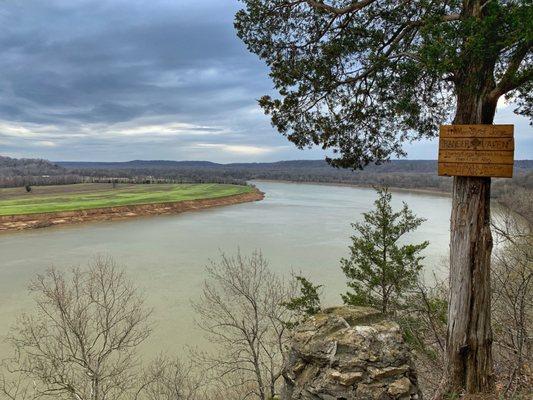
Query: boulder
[[346, 353]]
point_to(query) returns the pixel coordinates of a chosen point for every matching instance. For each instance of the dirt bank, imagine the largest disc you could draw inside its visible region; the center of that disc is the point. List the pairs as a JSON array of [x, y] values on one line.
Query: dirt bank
[[432, 191], [34, 221]]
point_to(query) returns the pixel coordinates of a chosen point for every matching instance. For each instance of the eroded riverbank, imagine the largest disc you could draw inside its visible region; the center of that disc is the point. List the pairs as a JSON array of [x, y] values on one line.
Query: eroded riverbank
[[42, 220]]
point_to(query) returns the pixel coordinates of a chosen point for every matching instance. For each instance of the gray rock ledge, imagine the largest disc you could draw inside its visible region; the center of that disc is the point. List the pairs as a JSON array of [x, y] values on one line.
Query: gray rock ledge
[[346, 353]]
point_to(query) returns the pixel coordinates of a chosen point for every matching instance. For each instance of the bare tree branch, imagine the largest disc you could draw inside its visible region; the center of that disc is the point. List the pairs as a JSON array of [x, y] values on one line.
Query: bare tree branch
[[81, 342], [241, 313]]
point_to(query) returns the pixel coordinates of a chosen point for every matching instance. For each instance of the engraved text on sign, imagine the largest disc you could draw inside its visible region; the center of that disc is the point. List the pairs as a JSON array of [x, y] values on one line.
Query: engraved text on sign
[[476, 150]]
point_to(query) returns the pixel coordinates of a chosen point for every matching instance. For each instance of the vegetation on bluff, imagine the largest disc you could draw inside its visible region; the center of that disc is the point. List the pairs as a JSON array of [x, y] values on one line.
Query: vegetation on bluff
[[380, 269]]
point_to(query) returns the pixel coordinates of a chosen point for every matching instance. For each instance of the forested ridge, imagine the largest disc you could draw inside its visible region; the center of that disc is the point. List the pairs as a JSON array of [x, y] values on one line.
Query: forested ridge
[[408, 174], [27, 166], [33, 171]]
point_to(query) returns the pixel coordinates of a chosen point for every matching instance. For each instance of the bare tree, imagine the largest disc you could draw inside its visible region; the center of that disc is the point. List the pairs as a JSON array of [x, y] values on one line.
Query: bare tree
[[170, 379], [516, 199], [423, 320], [512, 310], [513, 314], [241, 311], [81, 342]]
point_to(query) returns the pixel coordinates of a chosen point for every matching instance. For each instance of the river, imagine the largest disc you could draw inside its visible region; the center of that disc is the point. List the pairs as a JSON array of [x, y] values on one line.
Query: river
[[298, 227]]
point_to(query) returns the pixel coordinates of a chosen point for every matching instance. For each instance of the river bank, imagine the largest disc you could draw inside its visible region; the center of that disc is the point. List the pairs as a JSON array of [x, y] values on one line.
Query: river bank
[[42, 220], [341, 184]]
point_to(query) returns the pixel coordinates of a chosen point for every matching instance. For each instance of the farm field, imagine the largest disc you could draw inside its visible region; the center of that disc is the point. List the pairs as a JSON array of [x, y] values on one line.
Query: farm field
[[49, 199]]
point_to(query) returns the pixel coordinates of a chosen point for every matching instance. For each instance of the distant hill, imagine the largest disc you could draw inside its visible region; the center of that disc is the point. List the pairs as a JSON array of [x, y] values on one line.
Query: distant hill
[[411, 174], [28, 166], [19, 172], [408, 174], [157, 164], [411, 166]]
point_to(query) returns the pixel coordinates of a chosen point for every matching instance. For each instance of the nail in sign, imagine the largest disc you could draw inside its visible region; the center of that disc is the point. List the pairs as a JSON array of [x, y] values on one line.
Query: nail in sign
[[476, 150]]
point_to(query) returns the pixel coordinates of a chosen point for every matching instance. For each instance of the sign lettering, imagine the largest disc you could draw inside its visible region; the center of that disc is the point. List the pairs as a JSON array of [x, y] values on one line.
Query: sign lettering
[[476, 150]]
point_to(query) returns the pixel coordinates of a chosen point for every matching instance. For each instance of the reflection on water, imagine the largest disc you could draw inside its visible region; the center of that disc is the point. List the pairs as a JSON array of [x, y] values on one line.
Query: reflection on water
[[299, 227]]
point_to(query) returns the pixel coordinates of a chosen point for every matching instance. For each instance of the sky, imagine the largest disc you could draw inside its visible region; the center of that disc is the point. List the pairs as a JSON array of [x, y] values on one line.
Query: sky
[[118, 80]]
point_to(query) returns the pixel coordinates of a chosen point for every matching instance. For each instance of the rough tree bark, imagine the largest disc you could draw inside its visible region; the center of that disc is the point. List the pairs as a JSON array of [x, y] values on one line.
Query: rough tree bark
[[469, 329], [469, 336]]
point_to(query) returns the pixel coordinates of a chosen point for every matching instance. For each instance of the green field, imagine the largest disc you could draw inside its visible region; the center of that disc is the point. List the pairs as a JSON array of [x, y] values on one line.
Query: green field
[[45, 199]]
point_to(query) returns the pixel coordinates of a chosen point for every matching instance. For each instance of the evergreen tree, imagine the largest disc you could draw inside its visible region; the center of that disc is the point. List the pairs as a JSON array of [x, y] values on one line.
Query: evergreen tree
[[308, 303], [380, 269]]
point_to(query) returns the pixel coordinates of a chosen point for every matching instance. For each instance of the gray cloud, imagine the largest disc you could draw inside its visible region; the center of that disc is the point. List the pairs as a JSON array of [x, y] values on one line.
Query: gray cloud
[[125, 79]]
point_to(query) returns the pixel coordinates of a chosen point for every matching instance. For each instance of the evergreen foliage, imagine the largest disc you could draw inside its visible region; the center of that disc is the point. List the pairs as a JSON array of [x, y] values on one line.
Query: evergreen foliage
[[380, 268], [362, 77], [308, 303]]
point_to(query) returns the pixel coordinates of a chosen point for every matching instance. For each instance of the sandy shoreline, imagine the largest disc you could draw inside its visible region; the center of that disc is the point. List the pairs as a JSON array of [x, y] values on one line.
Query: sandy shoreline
[[35, 221], [392, 188]]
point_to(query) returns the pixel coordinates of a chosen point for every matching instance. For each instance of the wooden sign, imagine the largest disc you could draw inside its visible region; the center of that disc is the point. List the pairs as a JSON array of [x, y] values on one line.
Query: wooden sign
[[476, 150]]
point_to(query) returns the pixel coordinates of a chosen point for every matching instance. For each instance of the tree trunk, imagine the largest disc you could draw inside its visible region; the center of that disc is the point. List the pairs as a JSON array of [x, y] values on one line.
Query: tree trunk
[[95, 395], [469, 336], [469, 344]]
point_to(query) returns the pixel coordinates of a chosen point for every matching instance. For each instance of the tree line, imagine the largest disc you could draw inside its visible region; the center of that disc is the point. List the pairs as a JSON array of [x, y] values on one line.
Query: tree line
[[28, 171], [409, 174]]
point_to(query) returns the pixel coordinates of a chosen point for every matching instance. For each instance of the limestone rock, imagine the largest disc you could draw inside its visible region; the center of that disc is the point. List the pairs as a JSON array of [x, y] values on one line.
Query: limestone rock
[[400, 387], [349, 353]]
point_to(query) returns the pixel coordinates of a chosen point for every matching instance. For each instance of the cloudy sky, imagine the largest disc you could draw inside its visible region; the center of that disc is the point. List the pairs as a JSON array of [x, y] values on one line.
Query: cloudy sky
[[116, 80]]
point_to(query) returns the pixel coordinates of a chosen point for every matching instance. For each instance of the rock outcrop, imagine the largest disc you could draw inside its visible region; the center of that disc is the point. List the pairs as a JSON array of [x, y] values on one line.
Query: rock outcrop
[[349, 353]]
